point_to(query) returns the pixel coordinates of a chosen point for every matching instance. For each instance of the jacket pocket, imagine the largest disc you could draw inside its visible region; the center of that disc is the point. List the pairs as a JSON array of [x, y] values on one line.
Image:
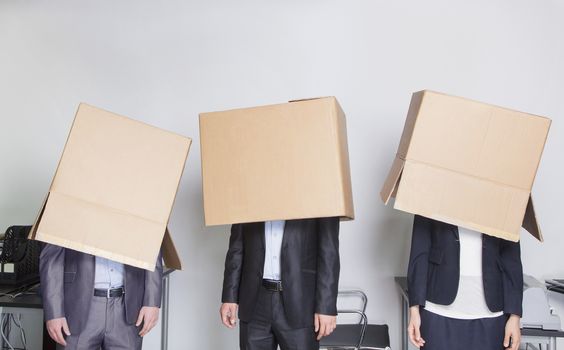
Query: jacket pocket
[[69, 277], [436, 256], [309, 271]]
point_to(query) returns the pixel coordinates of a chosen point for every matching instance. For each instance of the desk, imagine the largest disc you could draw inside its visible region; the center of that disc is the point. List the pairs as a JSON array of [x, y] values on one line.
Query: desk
[[530, 337], [30, 307]]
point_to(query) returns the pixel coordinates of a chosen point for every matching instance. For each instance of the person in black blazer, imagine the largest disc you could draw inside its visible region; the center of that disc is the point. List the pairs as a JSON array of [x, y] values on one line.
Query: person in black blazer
[[288, 312], [433, 276]]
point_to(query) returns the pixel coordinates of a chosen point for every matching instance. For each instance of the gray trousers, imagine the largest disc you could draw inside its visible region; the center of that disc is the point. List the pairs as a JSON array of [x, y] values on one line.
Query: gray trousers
[[106, 328], [269, 327]]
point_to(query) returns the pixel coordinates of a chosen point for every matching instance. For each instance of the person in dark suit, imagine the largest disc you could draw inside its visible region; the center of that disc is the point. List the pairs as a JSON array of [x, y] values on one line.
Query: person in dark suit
[[282, 278], [465, 288], [97, 303]]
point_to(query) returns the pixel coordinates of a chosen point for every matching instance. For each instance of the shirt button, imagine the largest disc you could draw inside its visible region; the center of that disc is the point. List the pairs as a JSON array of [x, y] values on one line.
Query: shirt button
[[275, 257]]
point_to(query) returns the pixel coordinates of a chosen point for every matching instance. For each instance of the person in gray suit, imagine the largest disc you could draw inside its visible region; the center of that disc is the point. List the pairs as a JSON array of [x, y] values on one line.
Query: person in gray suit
[[93, 303]]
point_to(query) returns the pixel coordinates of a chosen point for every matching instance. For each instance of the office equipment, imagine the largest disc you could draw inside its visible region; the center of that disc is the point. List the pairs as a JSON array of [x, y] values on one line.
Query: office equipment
[[24, 309], [529, 336], [555, 285], [537, 312], [359, 335], [19, 258]]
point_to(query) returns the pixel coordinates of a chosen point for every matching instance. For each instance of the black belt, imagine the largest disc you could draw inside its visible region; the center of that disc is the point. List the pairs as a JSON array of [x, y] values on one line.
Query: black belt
[[272, 285], [109, 293]]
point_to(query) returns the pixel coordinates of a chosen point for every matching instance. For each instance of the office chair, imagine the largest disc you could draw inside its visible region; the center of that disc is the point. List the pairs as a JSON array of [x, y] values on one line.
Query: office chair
[[357, 336]]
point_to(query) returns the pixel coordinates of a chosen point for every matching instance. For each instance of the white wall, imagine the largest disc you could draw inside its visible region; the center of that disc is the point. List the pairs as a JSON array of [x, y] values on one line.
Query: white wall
[[162, 62]]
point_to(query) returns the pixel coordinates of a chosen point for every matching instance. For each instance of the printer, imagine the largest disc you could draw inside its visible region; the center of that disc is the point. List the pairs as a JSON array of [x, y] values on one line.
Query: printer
[[537, 312]]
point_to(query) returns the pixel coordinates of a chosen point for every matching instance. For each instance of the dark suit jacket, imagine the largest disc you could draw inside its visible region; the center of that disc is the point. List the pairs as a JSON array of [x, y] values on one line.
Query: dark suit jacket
[[434, 267], [309, 268], [67, 286]]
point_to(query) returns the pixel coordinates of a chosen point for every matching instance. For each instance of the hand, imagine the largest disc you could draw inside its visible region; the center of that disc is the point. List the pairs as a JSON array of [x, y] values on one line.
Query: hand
[[54, 327], [148, 315], [414, 325], [512, 333], [228, 314], [324, 325]]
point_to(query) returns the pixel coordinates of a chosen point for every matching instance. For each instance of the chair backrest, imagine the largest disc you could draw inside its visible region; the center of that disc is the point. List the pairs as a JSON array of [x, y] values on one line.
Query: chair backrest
[[357, 301]]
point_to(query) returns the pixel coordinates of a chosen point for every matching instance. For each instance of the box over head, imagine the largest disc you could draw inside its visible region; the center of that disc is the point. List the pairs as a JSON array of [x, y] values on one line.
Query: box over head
[[469, 164], [277, 162], [113, 190]]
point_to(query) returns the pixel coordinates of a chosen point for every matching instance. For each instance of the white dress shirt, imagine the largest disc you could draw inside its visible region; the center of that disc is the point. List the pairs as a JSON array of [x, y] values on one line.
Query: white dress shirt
[[470, 301], [109, 274], [273, 234]]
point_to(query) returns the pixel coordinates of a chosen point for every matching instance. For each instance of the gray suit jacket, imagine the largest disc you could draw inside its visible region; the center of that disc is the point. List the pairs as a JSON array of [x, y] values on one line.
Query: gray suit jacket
[[67, 286]]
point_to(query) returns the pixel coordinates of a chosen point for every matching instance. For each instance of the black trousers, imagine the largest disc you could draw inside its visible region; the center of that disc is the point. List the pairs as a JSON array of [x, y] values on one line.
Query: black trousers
[[444, 333], [269, 327]]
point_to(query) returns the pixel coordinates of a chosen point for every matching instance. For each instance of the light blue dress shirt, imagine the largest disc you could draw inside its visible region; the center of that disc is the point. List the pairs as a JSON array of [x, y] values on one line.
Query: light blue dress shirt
[[273, 235], [109, 274]]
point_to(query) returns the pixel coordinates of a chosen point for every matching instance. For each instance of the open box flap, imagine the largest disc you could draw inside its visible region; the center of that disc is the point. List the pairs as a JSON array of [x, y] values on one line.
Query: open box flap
[[392, 181], [530, 222], [170, 254]]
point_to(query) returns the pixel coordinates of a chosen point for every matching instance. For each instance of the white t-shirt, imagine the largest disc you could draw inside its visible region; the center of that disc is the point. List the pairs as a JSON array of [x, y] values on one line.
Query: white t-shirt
[[470, 301]]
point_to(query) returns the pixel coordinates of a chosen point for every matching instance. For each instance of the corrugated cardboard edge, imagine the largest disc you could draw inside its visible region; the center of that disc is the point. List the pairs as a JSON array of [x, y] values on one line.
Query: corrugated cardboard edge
[[269, 218], [100, 252], [33, 231], [129, 119], [170, 254], [201, 116], [392, 180], [486, 103], [530, 221], [410, 122], [311, 98], [344, 161]]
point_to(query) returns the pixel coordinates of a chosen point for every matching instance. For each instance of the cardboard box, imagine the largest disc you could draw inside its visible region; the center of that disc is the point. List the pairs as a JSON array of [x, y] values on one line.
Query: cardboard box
[[278, 162], [469, 164], [113, 190]]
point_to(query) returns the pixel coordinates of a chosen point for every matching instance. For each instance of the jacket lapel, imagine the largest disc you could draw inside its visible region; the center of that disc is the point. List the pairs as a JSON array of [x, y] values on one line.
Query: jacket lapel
[[288, 229], [260, 229]]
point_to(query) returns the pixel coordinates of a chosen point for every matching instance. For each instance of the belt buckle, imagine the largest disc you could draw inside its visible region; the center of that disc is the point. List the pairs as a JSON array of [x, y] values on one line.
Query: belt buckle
[[108, 293], [276, 286]]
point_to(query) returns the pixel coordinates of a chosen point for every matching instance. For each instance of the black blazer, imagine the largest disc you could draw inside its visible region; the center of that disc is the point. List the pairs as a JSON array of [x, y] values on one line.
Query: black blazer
[[434, 267], [309, 268]]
